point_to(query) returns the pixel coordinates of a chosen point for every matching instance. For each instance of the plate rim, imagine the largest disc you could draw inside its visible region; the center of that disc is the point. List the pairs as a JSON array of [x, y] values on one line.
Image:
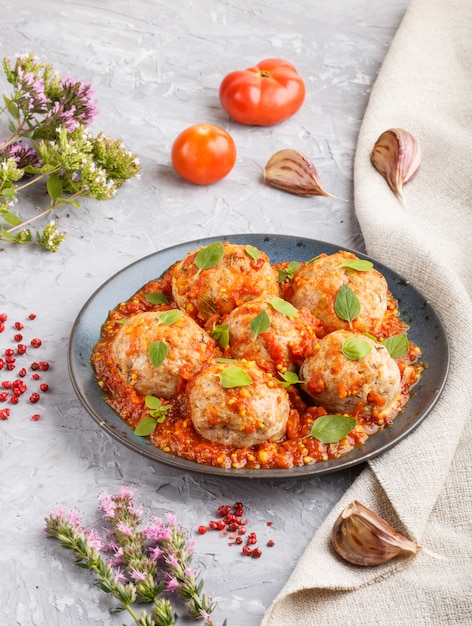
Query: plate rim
[[155, 454]]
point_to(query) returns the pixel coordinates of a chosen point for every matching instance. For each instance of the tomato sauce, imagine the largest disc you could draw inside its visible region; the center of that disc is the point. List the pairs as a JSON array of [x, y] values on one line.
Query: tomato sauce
[[176, 435]]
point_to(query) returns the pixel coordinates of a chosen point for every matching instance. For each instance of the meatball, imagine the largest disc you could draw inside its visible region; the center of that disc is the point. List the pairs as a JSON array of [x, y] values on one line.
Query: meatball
[[282, 346], [188, 346], [370, 383], [241, 274], [317, 283], [242, 415]]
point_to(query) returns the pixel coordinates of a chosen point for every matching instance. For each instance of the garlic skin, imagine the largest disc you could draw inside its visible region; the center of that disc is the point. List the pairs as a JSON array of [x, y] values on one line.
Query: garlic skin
[[361, 537], [291, 171], [397, 156]]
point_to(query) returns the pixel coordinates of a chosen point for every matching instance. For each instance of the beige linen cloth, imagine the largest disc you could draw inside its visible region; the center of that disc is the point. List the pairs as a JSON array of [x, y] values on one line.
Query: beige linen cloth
[[423, 485]]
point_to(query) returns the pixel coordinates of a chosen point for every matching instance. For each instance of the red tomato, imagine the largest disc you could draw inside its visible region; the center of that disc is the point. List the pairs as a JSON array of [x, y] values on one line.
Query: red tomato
[[265, 94], [203, 154]]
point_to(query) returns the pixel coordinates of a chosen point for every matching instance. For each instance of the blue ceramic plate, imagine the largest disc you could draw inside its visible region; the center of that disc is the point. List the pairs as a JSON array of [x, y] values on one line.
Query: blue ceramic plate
[[426, 331]]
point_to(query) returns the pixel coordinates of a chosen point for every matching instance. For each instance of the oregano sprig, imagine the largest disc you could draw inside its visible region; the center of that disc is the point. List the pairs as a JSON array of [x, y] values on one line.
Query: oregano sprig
[[50, 145]]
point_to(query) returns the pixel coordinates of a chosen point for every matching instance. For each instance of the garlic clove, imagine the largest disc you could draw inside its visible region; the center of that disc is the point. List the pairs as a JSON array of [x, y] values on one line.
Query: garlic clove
[[361, 537], [397, 156], [291, 171]]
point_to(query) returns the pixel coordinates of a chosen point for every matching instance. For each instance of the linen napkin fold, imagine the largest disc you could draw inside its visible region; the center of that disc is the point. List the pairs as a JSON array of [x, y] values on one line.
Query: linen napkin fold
[[422, 486]]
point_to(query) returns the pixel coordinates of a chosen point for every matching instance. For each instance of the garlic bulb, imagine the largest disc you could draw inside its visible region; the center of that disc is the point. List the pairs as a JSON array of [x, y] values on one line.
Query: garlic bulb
[[397, 156], [361, 537], [291, 171]]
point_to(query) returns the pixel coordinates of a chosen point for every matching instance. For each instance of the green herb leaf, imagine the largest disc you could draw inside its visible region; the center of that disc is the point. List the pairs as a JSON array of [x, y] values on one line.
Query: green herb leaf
[[354, 348], [360, 265], [13, 109], [210, 256], [253, 252], [234, 376], [282, 306], [347, 305], [8, 192], [288, 272], [222, 359], [289, 378], [397, 345], [145, 427], [260, 323], [11, 218], [156, 297], [54, 187], [157, 410], [157, 352], [169, 317], [221, 335], [332, 428]]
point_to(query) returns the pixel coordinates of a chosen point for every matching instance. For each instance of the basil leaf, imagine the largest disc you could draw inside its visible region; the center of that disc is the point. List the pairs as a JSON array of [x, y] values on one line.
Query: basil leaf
[[354, 348], [156, 297], [347, 305], [253, 252], [282, 306], [234, 376], [332, 428], [145, 427], [397, 345], [289, 378], [288, 272], [210, 256], [260, 323], [152, 402], [169, 317], [157, 352], [221, 335], [360, 265]]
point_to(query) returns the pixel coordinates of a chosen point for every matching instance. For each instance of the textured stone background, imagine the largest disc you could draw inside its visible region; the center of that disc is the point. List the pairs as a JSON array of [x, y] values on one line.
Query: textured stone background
[[156, 68]]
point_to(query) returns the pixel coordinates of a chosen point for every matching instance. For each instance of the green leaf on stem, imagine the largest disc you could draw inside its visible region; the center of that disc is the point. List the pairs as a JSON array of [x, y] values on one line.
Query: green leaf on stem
[[289, 378], [253, 252], [282, 306], [11, 218], [157, 352], [260, 323], [332, 428], [156, 297], [221, 335], [397, 345], [360, 265], [347, 305], [209, 256], [234, 376], [54, 187], [355, 348], [169, 317]]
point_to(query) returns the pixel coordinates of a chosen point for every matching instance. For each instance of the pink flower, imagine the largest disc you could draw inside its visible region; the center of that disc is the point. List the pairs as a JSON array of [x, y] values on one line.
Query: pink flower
[[172, 584], [108, 506], [137, 575], [94, 540], [171, 518], [124, 529], [155, 553]]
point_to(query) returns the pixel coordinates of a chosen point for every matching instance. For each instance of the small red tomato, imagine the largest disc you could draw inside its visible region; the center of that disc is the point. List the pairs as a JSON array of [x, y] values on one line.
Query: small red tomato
[[265, 94], [203, 154]]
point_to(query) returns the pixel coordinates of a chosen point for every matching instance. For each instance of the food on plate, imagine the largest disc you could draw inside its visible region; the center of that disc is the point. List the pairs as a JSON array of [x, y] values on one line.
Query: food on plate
[[141, 342], [397, 156], [232, 274], [264, 94], [231, 361], [203, 154], [271, 332], [352, 373], [291, 171], [237, 410], [317, 285]]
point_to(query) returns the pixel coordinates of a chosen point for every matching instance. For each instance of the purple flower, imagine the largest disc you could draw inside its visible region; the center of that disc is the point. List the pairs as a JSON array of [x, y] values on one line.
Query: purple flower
[[155, 553], [124, 529], [108, 506], [23, 154]]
